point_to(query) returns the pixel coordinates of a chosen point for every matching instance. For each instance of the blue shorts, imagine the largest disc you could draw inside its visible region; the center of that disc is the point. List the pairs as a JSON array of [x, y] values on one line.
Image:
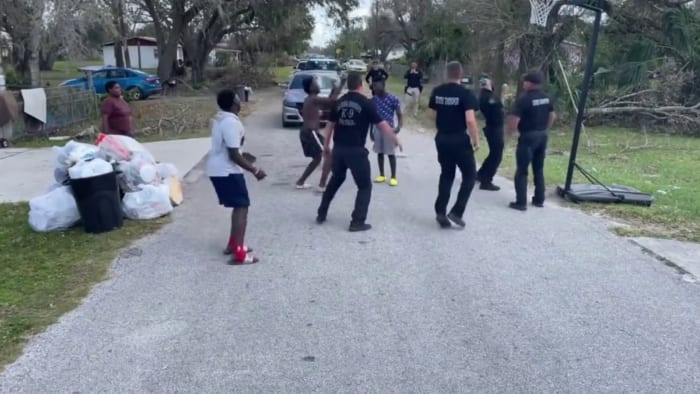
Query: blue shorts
[[231, 190]]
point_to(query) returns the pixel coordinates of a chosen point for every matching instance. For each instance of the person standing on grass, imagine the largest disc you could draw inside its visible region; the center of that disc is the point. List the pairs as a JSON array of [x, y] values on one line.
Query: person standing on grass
[[492, 108], [116, 113], [375, 74], [388, 107], [532, 116], [225, 167], [348, 128], [456, 141], [311, 140], [414, 88]]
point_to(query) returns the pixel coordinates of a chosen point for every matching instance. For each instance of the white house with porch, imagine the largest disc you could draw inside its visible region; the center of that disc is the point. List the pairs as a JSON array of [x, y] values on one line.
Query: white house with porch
[[143, 52]]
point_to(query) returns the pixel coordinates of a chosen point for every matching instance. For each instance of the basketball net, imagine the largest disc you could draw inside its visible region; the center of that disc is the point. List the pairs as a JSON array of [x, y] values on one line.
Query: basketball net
[[539, 11]]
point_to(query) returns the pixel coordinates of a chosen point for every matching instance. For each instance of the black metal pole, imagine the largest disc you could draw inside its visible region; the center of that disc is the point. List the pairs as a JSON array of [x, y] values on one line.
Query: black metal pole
[[587, 75]]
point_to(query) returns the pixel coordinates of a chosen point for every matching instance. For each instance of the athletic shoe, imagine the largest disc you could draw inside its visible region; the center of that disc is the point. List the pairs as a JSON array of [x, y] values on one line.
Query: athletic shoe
[[320, 219], [302, 187], [321, 189], [489, 187], [249, 259], [537, 204], [227, 250], [393, 182], [380, 179], [358, 227], [456, 220], [443, 221], [518, 207]]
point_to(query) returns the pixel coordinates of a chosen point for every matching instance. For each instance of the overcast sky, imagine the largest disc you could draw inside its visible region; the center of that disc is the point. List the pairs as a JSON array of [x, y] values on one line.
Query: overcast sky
[[324, 30]]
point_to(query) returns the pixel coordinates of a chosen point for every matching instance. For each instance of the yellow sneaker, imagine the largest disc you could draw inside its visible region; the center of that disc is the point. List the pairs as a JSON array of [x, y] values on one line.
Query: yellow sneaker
[[380, 179], [393, 182]]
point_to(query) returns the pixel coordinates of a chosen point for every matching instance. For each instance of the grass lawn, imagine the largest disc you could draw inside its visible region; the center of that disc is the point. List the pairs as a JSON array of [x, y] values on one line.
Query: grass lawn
[[43, 275], [281, 74], [660, 164]]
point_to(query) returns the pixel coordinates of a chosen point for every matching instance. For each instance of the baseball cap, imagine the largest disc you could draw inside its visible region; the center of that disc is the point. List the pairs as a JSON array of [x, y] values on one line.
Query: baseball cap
[[535, 77]]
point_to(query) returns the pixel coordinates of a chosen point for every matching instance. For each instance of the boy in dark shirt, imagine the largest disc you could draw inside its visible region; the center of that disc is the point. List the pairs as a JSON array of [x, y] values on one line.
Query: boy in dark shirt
[[414, 88], [532, 116], [456, 140], [376, 74]]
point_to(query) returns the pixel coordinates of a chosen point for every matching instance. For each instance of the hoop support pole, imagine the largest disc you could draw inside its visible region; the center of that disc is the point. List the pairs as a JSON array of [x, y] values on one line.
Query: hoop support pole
[[587, 76]]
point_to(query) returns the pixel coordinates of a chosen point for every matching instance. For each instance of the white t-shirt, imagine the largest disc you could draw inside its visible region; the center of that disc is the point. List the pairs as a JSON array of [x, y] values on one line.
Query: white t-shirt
[[226, 132]]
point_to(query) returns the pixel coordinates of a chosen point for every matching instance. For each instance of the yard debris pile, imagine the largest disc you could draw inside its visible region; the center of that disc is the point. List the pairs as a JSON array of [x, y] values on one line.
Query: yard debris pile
[[148, 189]]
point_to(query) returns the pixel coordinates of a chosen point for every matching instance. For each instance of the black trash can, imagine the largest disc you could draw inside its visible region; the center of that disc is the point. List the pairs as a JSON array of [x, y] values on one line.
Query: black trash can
[[98, 202]]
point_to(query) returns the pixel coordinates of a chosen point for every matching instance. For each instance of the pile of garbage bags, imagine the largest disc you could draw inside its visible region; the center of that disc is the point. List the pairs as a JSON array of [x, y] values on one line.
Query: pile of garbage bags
[[149, 189]]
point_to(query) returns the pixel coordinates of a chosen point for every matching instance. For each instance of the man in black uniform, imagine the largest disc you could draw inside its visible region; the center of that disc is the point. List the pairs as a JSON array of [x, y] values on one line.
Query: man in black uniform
[[375, 74], [456, 140], [348, 127], [492, 108], [532, 116]]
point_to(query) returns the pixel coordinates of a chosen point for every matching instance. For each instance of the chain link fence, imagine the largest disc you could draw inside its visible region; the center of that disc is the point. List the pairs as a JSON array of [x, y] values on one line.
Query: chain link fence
[[67, 108]]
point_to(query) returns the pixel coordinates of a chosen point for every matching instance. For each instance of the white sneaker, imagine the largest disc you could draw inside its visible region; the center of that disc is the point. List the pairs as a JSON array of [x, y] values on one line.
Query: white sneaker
[[302, 187], [320, 189]]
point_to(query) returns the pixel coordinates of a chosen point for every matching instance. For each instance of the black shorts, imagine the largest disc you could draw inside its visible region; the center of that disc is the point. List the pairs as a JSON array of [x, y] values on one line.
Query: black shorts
[[231, 190], [311, 143]]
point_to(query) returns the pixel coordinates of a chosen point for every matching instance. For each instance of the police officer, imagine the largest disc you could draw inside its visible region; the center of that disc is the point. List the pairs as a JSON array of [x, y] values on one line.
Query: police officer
[[492, 109], [532, 116], [456, 140], [375, 74], [348, 127]]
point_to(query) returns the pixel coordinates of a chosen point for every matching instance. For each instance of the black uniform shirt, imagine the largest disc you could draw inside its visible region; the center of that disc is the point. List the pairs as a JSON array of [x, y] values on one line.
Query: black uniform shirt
[[414, 80], [353, 115], [450, 101], [533, 109], [491, 107], [376, 75]]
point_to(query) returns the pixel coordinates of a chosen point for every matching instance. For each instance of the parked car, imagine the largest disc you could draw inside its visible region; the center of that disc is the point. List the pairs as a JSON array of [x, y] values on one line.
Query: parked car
[[294, 96], [355, 65], [320, 65], [135, 83]]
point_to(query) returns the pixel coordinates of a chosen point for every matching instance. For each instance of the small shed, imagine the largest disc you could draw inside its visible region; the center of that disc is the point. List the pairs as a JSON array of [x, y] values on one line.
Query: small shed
[[143, 52]]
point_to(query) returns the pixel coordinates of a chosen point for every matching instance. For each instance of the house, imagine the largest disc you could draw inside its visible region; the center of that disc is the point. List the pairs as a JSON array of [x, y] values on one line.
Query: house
[[5, 47], [223, 55], [396, 53], [143, 52]]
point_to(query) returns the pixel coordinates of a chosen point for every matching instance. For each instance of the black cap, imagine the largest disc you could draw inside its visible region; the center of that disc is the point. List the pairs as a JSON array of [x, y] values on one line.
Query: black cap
[[535, 77]]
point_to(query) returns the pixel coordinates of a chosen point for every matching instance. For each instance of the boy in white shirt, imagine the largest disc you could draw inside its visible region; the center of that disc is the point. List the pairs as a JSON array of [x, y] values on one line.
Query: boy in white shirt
[[225, 169]]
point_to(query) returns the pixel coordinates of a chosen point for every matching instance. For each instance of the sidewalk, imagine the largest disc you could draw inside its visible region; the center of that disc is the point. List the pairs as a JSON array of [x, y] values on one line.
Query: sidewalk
[[27, 173]]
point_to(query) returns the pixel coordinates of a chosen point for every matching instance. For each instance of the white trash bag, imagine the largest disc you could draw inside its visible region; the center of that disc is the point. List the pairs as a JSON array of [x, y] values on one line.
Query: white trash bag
[[148, 203], [89, 169], [167, 170], [54, 211], [120, 147], [69, 154]]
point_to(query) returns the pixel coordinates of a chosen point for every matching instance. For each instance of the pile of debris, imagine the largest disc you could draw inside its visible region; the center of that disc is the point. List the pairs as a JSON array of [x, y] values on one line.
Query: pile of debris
[[147, 189]]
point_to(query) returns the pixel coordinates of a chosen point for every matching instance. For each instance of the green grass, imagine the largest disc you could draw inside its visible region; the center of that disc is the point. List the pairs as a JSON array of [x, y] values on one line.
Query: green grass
[[281, 74], [661, 164], [43, 275]]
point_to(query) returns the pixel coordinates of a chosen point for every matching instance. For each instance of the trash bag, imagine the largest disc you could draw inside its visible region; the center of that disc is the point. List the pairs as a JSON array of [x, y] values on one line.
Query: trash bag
[[69, 154], [89, 169], [148, 203], [140, 170], [167, 170], [54, 211], [121, 147]]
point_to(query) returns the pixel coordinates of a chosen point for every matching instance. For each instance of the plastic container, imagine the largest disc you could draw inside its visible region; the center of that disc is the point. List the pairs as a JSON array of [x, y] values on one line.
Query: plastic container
[[98, 202]]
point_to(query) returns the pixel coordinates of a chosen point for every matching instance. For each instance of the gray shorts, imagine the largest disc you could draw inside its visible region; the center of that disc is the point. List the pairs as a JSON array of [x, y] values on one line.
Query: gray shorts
[[383, 145]]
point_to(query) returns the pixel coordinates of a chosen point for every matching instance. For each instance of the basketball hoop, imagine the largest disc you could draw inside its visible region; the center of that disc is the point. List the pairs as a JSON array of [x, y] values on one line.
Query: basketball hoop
[[539, 11]]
